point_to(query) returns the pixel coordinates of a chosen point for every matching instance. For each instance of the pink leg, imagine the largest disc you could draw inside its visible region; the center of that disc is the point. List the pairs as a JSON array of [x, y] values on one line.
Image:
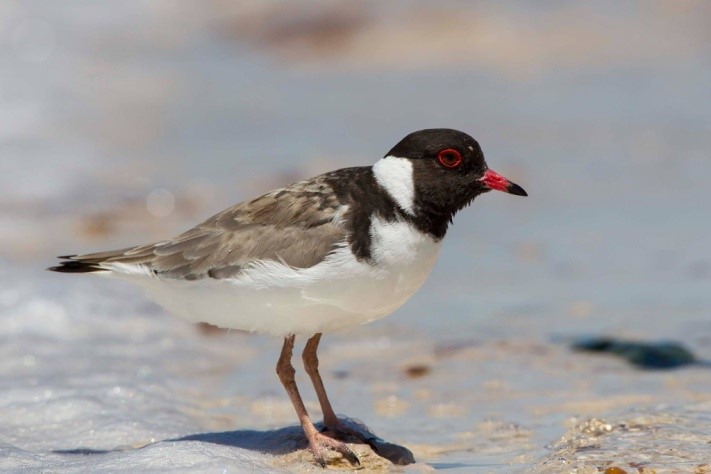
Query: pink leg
[[317, 441], [329, 416], [311, 365]]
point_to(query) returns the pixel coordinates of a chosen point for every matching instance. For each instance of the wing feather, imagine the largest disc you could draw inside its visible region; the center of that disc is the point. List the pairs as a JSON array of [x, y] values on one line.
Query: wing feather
[[298, 225]]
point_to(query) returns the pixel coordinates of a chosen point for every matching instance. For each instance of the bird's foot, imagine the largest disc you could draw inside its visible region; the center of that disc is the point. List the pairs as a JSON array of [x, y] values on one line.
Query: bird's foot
[[351, 431], [319, 443]]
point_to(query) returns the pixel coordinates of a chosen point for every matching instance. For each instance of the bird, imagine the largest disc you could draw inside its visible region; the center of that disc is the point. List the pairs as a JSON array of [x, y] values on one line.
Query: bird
[[341, 249]]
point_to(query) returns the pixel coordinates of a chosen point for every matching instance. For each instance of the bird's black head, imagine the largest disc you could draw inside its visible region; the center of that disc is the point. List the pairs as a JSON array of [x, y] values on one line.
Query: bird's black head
[[448, 171]]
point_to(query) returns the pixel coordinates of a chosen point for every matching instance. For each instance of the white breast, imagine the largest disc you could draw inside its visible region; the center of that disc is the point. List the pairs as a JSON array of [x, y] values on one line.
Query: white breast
[[339, 292]]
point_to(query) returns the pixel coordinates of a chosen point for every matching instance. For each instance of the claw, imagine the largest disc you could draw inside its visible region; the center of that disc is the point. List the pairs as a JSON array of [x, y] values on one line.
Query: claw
[[319, 442], [352, 457], [397, 455]]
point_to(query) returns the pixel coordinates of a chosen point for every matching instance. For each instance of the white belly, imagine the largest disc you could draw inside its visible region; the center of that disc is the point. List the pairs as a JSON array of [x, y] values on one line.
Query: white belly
[[340, 292]]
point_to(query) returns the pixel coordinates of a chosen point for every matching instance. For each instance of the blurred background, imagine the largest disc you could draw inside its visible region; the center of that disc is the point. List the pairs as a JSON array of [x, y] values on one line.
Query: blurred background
[[127, 122]]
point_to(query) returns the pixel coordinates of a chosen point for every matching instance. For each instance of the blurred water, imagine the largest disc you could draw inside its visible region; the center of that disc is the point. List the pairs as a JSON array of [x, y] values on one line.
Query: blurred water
[[600, 110]]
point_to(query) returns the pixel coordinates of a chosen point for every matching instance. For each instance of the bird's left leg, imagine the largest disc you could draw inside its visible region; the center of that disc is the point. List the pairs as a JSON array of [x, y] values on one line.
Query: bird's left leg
[[330, 419], [311, 365], [392, 452]]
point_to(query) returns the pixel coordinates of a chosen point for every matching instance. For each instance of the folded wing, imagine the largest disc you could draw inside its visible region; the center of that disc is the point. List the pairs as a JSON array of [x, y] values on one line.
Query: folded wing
[[298, 225]]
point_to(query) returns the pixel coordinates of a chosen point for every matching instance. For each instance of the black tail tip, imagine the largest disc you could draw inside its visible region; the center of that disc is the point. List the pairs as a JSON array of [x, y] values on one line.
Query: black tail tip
[[75, 266]]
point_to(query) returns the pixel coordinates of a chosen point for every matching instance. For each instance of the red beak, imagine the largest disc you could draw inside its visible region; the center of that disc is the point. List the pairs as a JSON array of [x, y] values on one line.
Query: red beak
[[494, 180]]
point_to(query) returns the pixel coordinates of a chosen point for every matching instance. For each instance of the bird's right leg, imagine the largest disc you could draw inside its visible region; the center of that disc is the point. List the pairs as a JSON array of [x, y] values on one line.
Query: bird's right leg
[[317, 441]]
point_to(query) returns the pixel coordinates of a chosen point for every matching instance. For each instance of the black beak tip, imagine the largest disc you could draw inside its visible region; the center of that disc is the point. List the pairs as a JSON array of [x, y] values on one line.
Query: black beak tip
[[516, 190]]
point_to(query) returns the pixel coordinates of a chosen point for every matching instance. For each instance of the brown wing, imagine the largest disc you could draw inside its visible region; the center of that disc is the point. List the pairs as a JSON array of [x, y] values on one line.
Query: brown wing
[[298, 225]]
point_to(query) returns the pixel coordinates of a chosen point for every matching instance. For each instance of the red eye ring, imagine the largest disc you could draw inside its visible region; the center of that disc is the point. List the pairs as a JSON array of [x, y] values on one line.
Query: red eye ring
[[449, 158]]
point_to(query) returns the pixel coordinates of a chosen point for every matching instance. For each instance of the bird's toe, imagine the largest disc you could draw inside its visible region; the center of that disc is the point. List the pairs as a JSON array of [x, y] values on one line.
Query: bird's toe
[[319, 443]]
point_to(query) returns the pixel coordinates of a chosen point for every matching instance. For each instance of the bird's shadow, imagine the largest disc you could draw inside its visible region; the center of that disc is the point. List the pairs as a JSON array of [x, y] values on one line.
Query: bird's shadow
[[277, 442]]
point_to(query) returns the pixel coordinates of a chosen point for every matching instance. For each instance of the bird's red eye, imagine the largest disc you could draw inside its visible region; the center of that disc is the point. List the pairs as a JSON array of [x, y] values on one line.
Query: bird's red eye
[[449, 158]]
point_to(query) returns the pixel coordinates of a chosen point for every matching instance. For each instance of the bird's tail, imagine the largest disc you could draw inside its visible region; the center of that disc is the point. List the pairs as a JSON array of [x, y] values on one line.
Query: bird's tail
[[89, 263], [69, 265]]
